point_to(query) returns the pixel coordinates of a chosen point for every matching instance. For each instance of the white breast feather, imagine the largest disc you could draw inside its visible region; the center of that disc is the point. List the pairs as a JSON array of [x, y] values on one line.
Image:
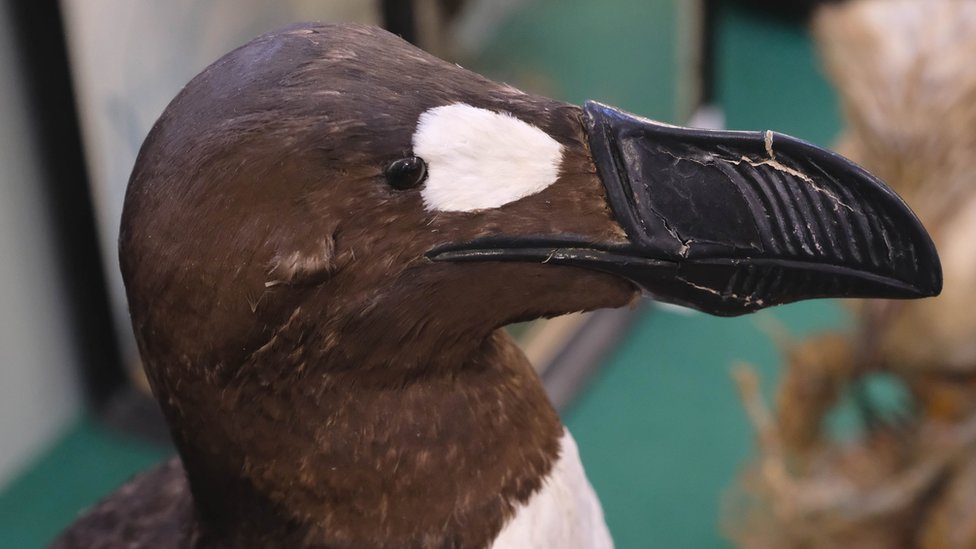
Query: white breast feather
[[564, 514]]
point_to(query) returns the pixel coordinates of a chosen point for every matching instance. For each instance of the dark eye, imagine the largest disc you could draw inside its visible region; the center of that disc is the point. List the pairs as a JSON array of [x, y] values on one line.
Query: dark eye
[[406, 173]]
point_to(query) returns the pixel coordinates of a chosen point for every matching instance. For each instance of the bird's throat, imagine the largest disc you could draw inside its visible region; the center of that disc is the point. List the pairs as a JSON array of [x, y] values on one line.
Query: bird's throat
[[438, 461]]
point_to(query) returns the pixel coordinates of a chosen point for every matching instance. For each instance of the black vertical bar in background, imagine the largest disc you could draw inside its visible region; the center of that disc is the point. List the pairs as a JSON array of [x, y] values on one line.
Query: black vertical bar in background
[[790, 11], [709, 95], [399, 17], [43, 56]]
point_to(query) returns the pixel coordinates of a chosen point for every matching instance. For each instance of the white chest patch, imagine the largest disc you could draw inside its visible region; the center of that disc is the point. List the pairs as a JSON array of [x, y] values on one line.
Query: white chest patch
[[564, 514], [479, 159]]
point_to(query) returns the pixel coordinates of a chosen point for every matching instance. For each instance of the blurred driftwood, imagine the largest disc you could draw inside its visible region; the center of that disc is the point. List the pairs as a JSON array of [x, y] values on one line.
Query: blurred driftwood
[[906, 74]]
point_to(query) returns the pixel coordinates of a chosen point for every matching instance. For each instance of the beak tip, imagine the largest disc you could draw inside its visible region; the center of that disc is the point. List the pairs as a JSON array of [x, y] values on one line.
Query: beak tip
[[932, 287]]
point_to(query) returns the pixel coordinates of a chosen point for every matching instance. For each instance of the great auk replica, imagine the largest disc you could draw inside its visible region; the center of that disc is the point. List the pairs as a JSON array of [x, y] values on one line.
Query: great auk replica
[[325, 232]]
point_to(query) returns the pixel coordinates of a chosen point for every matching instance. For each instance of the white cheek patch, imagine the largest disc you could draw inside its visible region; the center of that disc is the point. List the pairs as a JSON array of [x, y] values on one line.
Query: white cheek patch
[[479, 159]]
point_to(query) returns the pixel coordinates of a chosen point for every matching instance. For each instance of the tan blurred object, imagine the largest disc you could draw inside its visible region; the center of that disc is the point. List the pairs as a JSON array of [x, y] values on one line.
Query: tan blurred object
[[906, 74]]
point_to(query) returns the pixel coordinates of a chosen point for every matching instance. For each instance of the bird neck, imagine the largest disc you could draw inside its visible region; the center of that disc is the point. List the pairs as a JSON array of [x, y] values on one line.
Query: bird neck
[[434, 461]]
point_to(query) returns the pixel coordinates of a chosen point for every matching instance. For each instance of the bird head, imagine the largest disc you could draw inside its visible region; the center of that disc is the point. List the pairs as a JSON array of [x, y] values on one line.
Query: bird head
[[338, 177]]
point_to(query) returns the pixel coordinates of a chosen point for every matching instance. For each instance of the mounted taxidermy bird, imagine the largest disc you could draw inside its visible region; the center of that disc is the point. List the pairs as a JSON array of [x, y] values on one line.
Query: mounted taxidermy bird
[[327, 228]]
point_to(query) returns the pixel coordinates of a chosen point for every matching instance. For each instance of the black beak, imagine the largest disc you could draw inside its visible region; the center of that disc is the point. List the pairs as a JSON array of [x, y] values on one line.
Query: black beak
[[732, 222], [753, 219]]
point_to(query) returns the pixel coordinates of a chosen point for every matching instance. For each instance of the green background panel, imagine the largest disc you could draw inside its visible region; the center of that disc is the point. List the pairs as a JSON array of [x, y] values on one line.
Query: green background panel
[[768, 77], [662, 431], [85, 464], [621, 52]]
